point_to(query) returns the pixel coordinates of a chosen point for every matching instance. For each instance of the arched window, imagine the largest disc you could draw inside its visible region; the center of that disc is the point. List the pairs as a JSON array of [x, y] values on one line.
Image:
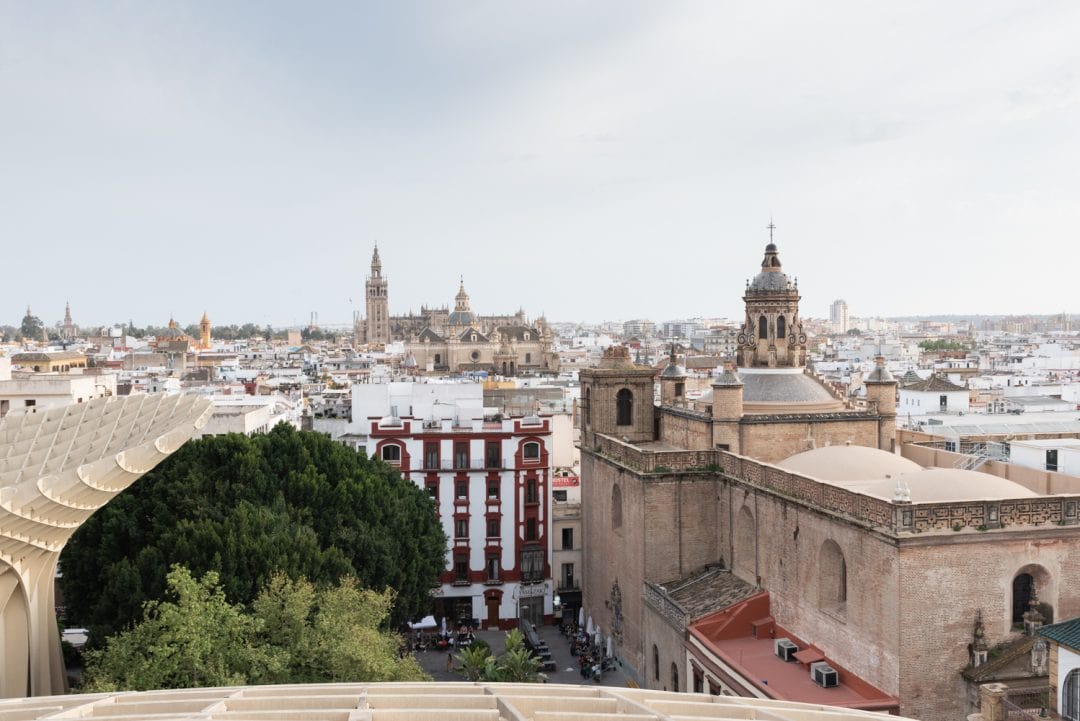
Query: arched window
[[674, 677], [780, 326], [656, 662], [832, 576], [391, 453], [616, 507], [1021, 596], [1070, 696], [745, 541], [624, 407], [762, 327], [531, 451]]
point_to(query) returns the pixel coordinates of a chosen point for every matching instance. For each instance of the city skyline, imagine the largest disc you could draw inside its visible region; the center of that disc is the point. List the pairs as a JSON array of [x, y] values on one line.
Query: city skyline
[[604, 162]]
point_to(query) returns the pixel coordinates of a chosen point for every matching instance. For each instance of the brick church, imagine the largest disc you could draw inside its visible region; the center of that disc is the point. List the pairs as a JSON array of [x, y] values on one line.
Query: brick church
[[768, 539]]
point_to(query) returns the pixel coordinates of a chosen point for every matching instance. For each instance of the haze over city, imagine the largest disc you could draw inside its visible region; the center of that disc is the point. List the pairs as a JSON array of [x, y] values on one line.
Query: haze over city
[[602, 161]]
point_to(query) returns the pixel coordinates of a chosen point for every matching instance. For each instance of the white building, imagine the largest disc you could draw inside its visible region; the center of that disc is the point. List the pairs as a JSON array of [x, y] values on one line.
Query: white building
[[933, 395], [491, 478], [249, 415], [1049, 454], [50, 390]]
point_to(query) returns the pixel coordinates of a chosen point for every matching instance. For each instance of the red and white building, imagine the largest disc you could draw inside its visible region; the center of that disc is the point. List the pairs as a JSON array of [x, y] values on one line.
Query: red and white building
[[491, 478]]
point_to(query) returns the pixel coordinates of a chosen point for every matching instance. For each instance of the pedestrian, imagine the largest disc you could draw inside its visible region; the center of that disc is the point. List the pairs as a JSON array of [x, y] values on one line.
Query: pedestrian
[[449, 661]]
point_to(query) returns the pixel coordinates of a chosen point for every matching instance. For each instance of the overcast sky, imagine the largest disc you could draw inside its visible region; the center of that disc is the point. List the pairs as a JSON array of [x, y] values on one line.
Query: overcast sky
[[589, 160]]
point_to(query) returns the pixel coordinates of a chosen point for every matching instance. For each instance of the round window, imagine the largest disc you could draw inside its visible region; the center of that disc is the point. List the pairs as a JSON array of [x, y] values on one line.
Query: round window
[[476, 355]]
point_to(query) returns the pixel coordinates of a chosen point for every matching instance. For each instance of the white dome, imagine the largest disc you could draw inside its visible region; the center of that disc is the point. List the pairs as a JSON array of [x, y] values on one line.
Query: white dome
[[848, 463], [875, 473]]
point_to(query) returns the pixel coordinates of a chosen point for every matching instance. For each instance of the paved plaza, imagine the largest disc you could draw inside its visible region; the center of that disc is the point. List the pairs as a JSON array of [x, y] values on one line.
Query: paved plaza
[[568, 671]]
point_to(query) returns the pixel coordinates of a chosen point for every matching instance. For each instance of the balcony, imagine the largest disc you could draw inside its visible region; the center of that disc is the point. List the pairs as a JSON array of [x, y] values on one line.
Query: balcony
[[568, 584], [475, 464]]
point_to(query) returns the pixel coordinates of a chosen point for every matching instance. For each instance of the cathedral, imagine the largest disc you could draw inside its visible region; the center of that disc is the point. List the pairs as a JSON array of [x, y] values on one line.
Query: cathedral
[[772, 510], [444, 341]]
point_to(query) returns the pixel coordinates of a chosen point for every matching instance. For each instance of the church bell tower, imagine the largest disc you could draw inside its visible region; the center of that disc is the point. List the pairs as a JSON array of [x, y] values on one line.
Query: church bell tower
[[772, 335], [378, 304]]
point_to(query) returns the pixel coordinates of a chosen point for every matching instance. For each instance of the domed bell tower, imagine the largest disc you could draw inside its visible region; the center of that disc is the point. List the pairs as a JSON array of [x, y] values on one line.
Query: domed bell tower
[[772, 334]]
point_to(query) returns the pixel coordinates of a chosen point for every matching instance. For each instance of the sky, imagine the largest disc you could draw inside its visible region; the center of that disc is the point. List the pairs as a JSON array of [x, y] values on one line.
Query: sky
[[588, 161]]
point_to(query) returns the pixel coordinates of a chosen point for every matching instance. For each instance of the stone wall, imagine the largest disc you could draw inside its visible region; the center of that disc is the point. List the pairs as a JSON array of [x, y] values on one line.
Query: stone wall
[[774, 440], [1033, 479], [664, 625], [861, 632], [945, 582], [686, 428]]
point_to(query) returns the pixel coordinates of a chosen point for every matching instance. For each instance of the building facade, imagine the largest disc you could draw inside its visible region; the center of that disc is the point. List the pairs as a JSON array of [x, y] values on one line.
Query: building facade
[[490, 478]]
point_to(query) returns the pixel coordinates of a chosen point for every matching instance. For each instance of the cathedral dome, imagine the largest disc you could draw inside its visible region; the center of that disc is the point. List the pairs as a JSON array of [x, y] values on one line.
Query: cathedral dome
[[771, 282], [462, 314], [785, 390]]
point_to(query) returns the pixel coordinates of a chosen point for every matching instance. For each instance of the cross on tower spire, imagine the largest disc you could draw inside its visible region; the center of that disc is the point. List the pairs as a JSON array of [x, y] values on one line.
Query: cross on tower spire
[[771, 226]]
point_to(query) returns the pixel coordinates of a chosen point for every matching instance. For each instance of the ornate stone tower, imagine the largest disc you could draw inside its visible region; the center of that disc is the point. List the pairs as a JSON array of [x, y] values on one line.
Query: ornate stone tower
[[772, 334], [70, 330], [378, 304], [204, 331]]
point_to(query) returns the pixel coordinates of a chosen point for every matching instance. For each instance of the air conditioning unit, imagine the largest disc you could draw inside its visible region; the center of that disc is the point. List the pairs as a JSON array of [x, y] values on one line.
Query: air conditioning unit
[[785, 649], [824, 675]]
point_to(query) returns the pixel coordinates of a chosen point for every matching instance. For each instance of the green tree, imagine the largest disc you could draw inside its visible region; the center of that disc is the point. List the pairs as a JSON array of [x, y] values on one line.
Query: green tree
[[294, 634], [517, 664], [194, 639], [336, 633], [942, 344], [31, 326], [246, 508]]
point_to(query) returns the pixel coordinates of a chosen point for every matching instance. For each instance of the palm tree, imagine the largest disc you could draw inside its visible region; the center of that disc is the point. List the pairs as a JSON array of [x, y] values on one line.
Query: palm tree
[[476, 664], [520, 665]]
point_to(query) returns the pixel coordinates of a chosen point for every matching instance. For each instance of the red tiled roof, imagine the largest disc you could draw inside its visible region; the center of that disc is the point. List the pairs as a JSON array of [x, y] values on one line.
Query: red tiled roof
[[728, 635]]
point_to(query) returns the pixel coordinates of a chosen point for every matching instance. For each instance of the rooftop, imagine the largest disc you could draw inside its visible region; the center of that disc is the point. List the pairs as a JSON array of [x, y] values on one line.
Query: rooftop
[[742, 636], [433, 701], [707, 591], [784, 386], [1067, 633]]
